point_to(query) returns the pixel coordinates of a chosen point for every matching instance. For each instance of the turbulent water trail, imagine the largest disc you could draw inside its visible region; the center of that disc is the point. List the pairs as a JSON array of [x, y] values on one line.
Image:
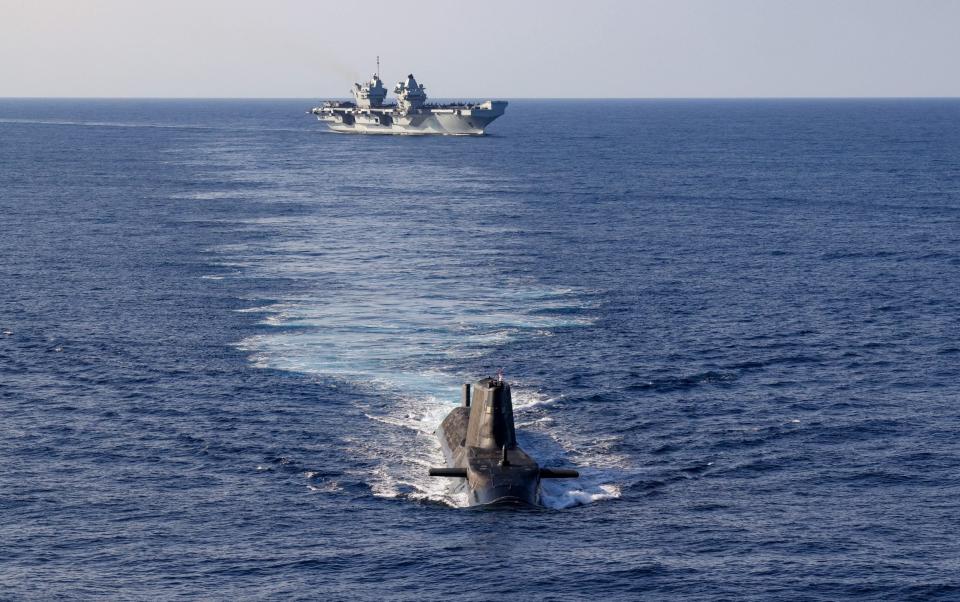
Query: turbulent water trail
[[380, 298], [406, 351]]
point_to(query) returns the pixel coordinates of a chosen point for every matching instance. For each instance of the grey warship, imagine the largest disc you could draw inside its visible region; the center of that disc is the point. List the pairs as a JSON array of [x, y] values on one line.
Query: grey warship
[[411, 114], [479, 442]]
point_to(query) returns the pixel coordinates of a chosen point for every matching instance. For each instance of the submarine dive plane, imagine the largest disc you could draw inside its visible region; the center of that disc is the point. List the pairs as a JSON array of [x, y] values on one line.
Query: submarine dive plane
[[479, 443]]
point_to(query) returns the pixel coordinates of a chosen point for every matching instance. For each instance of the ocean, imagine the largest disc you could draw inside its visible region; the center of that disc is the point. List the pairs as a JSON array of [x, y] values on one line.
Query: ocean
[[228, 336]]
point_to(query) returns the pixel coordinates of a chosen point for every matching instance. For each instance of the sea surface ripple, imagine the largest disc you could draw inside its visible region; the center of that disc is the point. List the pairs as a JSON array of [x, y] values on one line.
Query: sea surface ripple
[[227, 336]]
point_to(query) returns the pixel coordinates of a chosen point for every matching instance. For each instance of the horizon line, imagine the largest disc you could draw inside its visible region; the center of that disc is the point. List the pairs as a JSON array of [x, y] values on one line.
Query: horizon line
[[312, 98]]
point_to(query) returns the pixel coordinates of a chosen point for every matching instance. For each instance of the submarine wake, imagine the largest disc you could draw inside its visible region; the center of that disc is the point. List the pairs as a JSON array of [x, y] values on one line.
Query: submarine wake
[[391, 316], [415, 425]]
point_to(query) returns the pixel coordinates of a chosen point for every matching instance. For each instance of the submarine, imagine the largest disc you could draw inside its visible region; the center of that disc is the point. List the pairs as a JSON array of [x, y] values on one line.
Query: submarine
[[479, 442]]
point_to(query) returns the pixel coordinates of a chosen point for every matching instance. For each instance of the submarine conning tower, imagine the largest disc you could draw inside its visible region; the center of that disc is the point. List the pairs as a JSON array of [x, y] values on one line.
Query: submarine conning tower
[[491, 416], [479, 443]]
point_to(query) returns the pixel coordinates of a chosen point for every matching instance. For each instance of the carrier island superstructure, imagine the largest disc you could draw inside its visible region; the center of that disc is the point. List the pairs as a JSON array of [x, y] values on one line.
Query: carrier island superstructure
[[369, 114]]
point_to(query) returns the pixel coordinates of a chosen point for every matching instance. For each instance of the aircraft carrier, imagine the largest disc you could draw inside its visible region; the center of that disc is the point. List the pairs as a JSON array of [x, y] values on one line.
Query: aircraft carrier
[[411, 114]]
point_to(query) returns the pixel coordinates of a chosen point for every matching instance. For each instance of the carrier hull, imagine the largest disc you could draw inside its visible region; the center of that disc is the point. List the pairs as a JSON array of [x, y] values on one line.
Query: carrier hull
[[449, 120]]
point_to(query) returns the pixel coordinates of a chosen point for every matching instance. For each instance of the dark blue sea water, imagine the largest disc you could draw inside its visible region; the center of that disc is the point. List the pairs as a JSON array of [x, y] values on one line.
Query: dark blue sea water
[[228, 335]]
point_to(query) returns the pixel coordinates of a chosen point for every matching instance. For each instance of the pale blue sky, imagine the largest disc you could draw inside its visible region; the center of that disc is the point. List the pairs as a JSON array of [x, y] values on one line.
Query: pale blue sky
[[481, 48]]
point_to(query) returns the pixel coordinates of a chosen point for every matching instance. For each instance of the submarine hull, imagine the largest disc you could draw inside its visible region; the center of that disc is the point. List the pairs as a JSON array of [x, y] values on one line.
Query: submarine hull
[[479, 443], [487, 479]]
